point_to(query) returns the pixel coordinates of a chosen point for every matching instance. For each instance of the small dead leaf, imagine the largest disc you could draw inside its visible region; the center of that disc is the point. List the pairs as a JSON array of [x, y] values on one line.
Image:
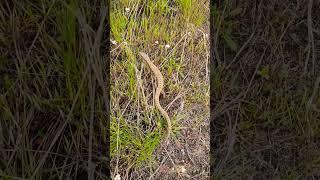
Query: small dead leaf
[[164, 169], [181, 169], [178, 145], [118, 177]]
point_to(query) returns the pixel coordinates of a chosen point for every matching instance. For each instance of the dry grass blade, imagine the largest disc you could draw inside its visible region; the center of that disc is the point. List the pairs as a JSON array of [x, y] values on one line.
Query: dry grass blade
[[62, 127]]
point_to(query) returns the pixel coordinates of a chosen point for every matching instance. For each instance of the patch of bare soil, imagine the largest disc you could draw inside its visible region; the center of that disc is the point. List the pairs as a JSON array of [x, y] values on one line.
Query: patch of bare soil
[[187, 155]]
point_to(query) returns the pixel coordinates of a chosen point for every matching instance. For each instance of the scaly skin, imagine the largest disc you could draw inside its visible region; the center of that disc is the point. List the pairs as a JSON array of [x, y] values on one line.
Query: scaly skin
[[159, 77]]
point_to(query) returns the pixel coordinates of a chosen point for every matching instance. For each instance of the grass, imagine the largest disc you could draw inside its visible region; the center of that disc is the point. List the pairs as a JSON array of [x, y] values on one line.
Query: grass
[[53, 102], [265, 118], [172, 33]]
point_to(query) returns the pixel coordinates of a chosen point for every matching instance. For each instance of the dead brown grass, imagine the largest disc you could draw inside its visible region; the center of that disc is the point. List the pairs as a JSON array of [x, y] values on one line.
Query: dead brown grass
[[264, 124]]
